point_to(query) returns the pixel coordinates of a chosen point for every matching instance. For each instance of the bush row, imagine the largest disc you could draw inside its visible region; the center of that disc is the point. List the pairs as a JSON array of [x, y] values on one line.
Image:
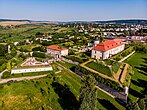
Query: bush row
[[123, 54], [40, 48], [140, 47], [40, 55]]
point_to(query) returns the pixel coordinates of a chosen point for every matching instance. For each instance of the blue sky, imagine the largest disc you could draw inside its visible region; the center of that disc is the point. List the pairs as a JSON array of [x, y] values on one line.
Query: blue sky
[[73, 10]]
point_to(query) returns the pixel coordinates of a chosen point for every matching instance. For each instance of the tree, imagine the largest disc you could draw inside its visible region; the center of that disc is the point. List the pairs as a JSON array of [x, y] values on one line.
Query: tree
[[9, 65], [88, 94], [38, 34], [131, 105], [137, 105], [3, 49], [40, 48], [141, 104], [101, 37], [10, 35], [39, 55], [46, 43]]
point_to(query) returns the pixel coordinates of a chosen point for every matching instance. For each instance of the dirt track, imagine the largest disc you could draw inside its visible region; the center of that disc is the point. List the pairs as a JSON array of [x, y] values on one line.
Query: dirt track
[[22, 78]]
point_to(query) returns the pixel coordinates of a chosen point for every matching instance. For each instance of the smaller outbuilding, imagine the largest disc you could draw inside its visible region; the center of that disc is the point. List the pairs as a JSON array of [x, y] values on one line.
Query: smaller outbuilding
[[56, 51]]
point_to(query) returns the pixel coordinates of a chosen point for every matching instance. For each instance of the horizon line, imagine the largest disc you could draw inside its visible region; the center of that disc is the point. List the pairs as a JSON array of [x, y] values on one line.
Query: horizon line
[[72, 20]]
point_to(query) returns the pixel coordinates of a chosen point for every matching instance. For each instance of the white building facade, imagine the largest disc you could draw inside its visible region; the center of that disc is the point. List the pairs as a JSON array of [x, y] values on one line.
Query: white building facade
[[107, 49], [27, 70], [54, 50]]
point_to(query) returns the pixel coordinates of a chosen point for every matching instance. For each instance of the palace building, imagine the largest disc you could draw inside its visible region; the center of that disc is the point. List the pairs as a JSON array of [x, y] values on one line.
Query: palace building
[[106, 49]]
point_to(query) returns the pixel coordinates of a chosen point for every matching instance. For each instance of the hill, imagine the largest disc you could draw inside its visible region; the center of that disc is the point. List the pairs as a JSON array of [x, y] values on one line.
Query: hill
[[124, 22], [131, 21]]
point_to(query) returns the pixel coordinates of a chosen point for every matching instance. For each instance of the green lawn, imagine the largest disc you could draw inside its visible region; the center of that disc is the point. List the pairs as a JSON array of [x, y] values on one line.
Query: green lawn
[[106, 102], [100, 68], [43, 94], [33, 95], [115, 67], [66, 64], [139, 80], [73, 80], [28, 47]]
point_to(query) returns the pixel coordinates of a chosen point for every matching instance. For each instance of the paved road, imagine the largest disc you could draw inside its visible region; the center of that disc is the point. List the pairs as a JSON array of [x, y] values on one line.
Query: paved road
[[22, 78]]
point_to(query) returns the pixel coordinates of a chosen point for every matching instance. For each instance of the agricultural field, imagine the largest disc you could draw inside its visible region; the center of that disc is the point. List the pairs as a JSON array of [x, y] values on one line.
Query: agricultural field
[[22, 32], [138, 61], [7, 23]]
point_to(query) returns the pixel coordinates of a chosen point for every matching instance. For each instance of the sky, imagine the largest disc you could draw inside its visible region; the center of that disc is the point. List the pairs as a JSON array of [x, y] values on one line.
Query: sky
[[73, 10]]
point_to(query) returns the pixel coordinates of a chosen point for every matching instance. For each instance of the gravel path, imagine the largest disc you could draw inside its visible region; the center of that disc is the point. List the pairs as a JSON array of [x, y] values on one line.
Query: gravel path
[[22, 78]]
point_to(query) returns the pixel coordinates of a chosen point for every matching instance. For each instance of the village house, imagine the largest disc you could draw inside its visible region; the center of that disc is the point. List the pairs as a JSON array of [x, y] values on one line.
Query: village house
[[106, 49], [93, 43], [56, 51], [138, 38], [122, 38]]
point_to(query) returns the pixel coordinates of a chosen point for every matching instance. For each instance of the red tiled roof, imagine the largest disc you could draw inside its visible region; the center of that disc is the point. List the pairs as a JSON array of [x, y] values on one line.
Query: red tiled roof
[[54, 47], [121, 37], [107, 45]]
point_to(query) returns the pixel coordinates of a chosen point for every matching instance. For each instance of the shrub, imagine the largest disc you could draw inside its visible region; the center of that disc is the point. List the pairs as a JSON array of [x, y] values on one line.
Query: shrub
[[23, 50], [39, 54], [2, 61], [123, 54], [40, 48], [6, 75]]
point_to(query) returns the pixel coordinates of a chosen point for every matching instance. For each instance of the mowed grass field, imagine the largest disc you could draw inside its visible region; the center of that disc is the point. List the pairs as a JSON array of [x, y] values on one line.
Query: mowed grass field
[[139, 80], [100, 68], [44, 94], [40, 93]]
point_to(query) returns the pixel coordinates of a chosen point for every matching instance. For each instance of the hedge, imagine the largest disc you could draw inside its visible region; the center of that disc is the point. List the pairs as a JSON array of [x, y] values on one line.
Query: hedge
[[40, 55], [123, 54]]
